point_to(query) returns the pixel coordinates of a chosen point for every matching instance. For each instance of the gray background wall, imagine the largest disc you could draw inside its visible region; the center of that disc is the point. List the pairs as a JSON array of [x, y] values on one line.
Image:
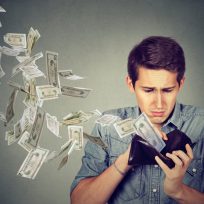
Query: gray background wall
[[93, 38]]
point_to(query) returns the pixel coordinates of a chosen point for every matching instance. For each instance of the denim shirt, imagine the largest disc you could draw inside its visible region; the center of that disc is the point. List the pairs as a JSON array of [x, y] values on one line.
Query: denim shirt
[[144, 184]]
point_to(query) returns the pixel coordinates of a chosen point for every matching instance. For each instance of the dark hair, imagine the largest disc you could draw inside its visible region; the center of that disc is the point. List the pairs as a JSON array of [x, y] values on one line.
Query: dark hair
[[156, 52]]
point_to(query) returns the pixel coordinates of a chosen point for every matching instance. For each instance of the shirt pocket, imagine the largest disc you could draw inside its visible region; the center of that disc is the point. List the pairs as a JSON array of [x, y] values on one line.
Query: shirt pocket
[[132, 186], [195, 174]]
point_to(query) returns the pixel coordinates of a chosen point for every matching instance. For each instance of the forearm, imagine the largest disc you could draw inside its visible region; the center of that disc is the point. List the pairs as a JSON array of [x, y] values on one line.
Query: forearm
[[188, 195], [98, 190]]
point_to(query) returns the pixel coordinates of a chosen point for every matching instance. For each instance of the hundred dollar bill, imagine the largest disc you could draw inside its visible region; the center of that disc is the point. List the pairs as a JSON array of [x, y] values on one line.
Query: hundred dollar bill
[[30, 88], [25, 63], [47, 92], [145, 129], [107, 119], [36, 130], [76, 133], [9, 108], [33, 162], [23, 141], [32, 38], [52, 68], [125, 127], [15, 39], [52, 124], [75, 91], [95, 140]]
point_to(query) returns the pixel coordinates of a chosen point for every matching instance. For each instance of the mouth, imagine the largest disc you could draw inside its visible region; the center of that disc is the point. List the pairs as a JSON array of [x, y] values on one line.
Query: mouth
[[158, 113]]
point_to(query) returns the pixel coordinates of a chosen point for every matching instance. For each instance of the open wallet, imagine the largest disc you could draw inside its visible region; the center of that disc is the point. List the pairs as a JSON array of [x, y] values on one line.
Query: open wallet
[[143, 153]]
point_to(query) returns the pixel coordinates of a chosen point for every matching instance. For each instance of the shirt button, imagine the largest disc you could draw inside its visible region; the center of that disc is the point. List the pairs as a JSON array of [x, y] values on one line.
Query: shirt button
[[154, 190], [155, 165], [194, 170]]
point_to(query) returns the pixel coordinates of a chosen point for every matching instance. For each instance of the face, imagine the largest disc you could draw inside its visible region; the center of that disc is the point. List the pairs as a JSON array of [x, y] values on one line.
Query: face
[[156, 92]]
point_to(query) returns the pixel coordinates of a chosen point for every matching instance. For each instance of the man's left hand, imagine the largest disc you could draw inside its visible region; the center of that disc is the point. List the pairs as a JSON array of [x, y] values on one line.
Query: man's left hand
[[173, 182]]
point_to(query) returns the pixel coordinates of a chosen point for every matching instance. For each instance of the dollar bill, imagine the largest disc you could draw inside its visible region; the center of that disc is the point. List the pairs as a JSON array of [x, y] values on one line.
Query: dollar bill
[[52, 124], [77, 118], [95, 140], [75, 91], [107, 119], [16, 86], [17, 130], [67, 74], [9, 51], [2, 73], [10, 137], [125, 127], [47, 92], [63, 162], [26, 63], [65, 159], [25, 120], [145, 129], [15, 39], [33, 162], [2, 9], [52, 68], [32, 38], [76, 133], [63, 150], [2, 117], [36, 130], [9, 108], [30, 88], [23, 141], [32, 113], [31, 72]]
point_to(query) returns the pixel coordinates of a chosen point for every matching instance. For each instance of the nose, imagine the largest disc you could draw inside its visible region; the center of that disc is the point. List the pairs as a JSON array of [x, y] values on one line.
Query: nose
[[159, 101]]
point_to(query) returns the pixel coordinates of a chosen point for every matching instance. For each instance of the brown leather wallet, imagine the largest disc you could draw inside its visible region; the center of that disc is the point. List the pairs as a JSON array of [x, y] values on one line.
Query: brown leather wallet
[[143, 153]]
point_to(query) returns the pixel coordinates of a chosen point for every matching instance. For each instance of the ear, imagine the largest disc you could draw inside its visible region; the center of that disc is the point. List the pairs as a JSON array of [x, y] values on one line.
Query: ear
[[129, 84], [182, 83]]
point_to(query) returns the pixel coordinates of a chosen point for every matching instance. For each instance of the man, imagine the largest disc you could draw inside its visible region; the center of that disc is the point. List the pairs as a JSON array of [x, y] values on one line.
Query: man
[[156, 69]]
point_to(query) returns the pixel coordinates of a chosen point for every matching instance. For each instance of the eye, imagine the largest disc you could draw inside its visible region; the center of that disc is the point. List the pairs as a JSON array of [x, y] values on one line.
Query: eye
[[167, 90], [148, 90]]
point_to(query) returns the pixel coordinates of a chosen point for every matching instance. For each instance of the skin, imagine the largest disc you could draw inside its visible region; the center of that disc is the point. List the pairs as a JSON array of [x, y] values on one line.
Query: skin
[[156, 92]]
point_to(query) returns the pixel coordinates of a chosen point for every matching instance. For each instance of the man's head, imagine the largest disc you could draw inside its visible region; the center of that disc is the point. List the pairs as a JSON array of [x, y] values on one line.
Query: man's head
[[156, 69]]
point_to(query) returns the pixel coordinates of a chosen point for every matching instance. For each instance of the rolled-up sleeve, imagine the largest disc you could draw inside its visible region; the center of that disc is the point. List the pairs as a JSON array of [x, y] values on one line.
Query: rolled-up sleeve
[[95, 159]]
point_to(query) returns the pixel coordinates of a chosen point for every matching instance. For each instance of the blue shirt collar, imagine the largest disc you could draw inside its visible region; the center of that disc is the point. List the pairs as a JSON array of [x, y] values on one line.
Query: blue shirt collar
[[175, 118]]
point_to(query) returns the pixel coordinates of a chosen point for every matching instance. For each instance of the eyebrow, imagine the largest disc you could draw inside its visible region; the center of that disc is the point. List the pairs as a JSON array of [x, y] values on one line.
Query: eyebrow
[[146, 87]]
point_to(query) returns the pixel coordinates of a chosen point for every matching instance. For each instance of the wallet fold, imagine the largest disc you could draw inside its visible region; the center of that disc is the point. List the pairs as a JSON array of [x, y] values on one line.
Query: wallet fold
[[143, 153]]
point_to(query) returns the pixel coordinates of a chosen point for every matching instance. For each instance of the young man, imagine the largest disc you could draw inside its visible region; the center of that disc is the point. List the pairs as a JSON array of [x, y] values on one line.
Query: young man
[[156, 69]]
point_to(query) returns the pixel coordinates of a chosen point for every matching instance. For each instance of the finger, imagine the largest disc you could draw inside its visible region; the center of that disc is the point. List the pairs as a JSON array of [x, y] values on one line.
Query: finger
[[175, 159], [189, 151], [184, 157], [164, 167]]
